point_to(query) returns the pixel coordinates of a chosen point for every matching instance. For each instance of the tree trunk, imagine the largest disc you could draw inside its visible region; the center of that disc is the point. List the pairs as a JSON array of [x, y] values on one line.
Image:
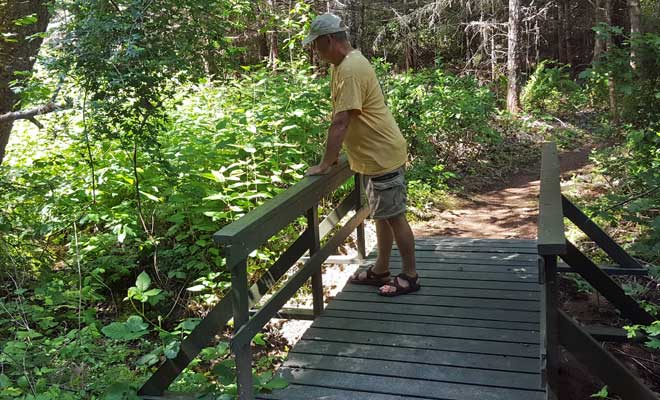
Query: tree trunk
[[561, 32], [513, 64], [566, 27], [635, 22], [273, 54], [274, 50], [611, 83], [18, 55], [599, 17]]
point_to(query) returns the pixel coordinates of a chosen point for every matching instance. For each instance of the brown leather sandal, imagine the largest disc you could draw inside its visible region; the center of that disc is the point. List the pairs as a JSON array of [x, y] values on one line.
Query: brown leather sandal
[[413, 285], [372, 278]]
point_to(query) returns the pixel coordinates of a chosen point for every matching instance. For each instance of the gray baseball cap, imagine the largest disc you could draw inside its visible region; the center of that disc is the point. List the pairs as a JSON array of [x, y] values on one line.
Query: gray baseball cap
[[324, 24]]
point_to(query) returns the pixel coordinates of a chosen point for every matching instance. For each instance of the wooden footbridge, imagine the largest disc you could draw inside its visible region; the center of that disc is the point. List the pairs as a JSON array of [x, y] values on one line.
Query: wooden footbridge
[[485, 324]]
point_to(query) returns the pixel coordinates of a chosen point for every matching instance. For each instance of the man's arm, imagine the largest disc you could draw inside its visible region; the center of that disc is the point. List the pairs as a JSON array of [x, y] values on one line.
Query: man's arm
[[336, 135]]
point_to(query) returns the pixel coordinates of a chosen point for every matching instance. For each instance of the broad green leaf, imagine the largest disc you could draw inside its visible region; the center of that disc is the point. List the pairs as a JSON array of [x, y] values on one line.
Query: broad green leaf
[[135, 324], [148, 359], [4, 381], [277, 383], [151, 197], [602, 394], [143, 281], [259, 339], [27, 20], [172, 349]]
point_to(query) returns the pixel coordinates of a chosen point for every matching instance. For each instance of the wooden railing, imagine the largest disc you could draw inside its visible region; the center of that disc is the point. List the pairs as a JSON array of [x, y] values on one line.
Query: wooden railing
[[251, 232], [557, 328]]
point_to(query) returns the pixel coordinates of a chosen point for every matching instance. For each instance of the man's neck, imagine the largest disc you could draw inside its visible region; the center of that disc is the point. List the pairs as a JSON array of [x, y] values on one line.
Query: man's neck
[[342, 53]]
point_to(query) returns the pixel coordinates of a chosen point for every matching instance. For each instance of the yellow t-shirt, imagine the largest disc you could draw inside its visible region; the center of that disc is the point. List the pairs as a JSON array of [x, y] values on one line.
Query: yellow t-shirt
[[373, 142]]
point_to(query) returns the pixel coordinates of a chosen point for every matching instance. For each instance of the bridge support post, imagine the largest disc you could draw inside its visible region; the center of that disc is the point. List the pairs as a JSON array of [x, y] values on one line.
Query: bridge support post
[[550, 353], [241, 311], [361, 247], [314, 246]]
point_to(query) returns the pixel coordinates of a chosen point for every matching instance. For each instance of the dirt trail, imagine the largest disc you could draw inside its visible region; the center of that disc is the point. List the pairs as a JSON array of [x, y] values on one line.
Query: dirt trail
[[505, 211]]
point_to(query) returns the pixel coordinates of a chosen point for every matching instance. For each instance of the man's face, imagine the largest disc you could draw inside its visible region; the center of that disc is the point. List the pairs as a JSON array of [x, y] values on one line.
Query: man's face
[[323, 46]]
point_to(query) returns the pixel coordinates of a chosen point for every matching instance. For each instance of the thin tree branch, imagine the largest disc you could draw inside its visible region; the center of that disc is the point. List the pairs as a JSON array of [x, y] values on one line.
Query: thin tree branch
[[30, 114]]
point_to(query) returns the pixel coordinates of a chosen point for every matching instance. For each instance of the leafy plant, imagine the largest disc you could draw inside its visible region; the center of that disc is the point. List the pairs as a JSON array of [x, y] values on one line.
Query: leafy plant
[[549, 90]]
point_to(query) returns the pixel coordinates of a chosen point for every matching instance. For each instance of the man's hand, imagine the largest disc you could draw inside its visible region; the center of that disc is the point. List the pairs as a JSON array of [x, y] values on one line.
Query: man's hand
[[318, 170]]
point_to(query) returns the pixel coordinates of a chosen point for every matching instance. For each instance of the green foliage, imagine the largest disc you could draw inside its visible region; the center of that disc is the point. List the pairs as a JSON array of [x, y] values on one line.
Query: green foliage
[[633, 170], [75, 239], [637, 90], [444, 118], [549, 90], [652, 331], [603, 393]]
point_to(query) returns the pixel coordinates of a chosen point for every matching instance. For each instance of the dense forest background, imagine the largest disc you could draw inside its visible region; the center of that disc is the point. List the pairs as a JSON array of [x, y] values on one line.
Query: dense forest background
[[130, 131]]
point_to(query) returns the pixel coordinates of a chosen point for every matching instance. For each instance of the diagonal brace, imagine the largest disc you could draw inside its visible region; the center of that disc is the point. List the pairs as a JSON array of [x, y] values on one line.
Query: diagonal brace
[[628, 307], [603, 364]]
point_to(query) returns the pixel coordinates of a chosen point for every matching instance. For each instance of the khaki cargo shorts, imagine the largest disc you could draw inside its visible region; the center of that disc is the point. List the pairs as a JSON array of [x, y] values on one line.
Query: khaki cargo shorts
[[386, 194]]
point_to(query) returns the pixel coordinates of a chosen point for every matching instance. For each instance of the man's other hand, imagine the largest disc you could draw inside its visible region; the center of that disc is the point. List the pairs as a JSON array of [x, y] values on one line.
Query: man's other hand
[[318, 170]]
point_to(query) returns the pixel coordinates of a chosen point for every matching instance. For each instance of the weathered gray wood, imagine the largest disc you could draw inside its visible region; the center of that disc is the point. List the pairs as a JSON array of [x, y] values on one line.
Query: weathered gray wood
[[476, 362], [483, 249], [382, 315], [203, 334], [501, 258], [359, 203], [476, 241], [421, 257], [406, 387], [468, 284], [612, 334], [251, 231], [423, 342], [438, 373], [332, 219], [444, 311], [516, 277], [265, 313], [549, 350], [485, 294], [420, 298], [602, 239], [614, 270], [551, 238], [301, 392], [317, 277], [425, 264], [291, 313], [241, 312], [419, 329], [599, 361]]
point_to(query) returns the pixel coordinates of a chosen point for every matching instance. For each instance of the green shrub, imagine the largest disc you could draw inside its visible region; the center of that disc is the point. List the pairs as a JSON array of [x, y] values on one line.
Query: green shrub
[[549, 90]]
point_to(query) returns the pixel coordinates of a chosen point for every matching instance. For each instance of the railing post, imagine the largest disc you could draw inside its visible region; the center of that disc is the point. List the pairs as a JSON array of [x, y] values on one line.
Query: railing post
[[551, 323], [314, 246], [240, 306], [361, 247]]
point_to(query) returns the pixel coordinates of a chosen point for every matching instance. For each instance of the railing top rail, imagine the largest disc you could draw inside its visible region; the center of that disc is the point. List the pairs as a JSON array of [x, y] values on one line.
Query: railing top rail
[[255, 228], [551, 239]]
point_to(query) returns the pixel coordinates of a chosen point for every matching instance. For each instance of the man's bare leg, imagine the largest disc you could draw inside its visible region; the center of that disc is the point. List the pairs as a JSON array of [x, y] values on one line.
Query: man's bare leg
[[384, 240], [405, 240]]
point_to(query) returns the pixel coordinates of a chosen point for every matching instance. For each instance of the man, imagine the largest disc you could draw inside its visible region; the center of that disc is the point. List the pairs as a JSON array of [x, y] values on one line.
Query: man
[[363, 124]]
